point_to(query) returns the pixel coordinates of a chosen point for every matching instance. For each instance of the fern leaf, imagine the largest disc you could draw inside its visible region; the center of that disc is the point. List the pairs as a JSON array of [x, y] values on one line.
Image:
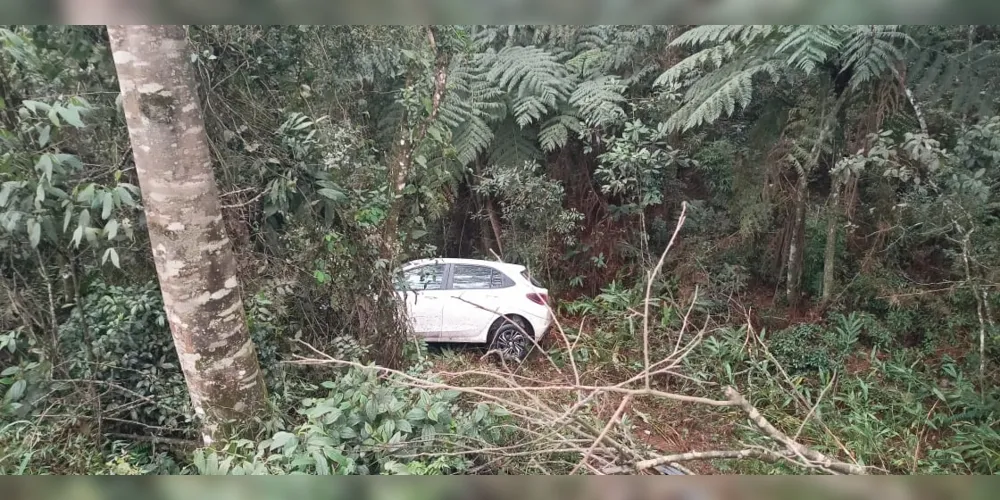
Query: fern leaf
[[556, 131], [729, 90], [599, 101], [513, 145]]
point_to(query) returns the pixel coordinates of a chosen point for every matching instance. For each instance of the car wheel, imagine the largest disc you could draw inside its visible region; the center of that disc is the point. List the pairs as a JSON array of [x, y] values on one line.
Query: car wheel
[[511, 342]]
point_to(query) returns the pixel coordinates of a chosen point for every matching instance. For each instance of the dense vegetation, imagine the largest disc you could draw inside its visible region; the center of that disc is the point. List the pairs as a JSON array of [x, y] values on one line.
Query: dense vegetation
[[805, 214]]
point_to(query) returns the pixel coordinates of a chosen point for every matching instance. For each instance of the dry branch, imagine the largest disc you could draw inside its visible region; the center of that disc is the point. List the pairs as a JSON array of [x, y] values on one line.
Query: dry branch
[[813, 456]]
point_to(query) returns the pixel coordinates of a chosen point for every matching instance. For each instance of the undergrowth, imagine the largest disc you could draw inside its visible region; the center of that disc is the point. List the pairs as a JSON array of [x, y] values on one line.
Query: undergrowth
[[892, 388]]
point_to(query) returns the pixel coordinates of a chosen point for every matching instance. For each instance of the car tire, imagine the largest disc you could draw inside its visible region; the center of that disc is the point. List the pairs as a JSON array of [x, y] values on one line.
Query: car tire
[[511, 341]]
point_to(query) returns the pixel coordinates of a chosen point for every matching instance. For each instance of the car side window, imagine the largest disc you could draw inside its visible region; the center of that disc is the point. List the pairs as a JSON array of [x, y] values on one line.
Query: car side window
[[422, 278], [466, 277]]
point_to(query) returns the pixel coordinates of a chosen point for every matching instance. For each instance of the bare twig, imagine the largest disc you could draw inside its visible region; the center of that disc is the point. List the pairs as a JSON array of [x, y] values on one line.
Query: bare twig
[[611, 422], [649, 289], [819, 399], [190, 443]]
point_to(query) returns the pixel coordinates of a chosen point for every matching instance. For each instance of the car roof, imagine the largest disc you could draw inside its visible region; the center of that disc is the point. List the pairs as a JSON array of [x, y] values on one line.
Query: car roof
[[512, 268]]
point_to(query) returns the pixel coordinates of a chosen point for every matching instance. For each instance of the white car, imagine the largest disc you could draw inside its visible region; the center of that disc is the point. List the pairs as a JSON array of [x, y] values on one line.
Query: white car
[[475, 301]]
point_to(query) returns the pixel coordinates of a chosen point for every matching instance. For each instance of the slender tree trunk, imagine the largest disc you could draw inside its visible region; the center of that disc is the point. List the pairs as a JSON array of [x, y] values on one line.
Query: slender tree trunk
[[194, 257], [494, 223], [796, 254], [830, 252], [401, 156], [795, 242]]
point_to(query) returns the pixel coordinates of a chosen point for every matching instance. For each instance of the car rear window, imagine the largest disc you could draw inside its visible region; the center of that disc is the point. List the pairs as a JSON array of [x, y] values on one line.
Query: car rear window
[[528, 277]]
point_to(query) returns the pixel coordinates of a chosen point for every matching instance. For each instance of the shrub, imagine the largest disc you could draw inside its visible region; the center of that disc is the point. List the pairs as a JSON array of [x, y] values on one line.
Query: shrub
[[367, 424]]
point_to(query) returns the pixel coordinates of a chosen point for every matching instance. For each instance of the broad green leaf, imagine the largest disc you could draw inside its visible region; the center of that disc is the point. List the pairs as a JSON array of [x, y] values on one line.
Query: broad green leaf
[[322, 466], [84, 219], [280, 439], [79, 102], [86, 195], [35, 105], [108, 205], [44, 165], [124, 196], [404, 425], [44, 134], [111, 228], [68, 160], [113, 254], [39, 195], [427, 432], [16, 391], [416, 415], [34, 232], [71, 115], [67, 217], [59, 193], [54, 116], [332, 194], [5, 192]]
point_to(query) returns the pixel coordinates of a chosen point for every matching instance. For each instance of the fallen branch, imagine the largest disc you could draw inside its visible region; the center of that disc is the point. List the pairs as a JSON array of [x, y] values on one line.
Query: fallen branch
[[757, 453], [798, 449]]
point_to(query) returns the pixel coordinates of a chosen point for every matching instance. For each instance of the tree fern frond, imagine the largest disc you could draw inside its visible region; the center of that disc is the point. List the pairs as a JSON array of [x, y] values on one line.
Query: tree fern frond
[[599, 101], [729, 91], [513, 145], [471, 138], [966, 79], [808, 46], [555, 132], [872, 51], [594, 37], [528, 109], [713, 57], [717, 33], [589, 63], [390, 122], [526, 71]]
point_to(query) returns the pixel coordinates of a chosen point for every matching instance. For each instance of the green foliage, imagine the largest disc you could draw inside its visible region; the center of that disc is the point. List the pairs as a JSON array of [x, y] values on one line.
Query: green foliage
[[534, 219], [880, 412], [118, 338], [637, 164], [368, 425]]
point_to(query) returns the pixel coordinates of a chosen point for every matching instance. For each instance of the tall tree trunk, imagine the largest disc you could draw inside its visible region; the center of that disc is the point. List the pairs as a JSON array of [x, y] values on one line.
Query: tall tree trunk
[[194, 257], [796, 240], [796, 252], [830, 252], [833, 201]]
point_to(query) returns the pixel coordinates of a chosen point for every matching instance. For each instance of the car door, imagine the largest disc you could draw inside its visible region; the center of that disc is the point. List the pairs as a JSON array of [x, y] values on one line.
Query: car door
[[472, 300], [422, 290]]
